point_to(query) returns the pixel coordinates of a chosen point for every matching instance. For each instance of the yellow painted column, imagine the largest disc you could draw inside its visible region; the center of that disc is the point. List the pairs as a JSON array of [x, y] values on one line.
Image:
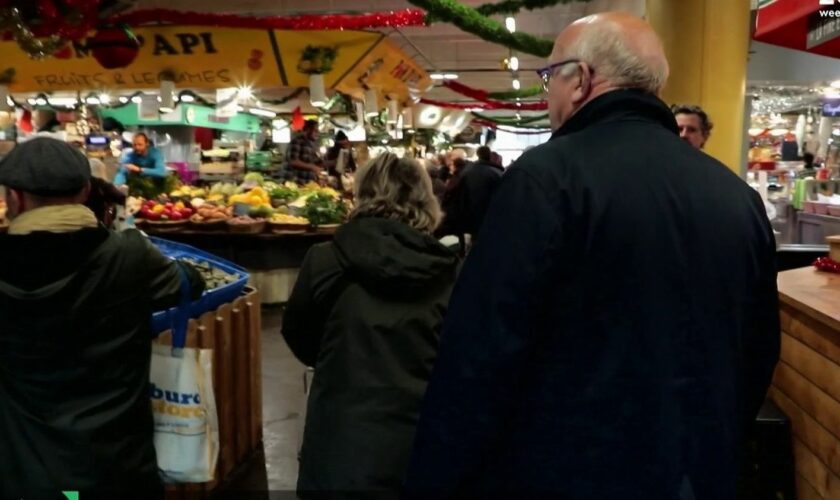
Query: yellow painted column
[[707, 42]]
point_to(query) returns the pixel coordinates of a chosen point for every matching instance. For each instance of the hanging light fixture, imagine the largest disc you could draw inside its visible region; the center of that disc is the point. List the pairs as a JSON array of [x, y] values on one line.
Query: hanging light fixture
[[408, 118], [167, 96], [516, 84], [371, 104], [359, 107], [4, 97], [513, 63], [510, 24], [393, 111], [317, 91]]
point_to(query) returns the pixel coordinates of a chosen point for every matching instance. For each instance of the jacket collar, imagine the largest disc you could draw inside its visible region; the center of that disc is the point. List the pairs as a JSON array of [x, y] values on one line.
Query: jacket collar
[[620, 104]]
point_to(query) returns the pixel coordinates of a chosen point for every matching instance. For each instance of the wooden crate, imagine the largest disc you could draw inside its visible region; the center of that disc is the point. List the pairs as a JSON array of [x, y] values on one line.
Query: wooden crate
[[233, 332]]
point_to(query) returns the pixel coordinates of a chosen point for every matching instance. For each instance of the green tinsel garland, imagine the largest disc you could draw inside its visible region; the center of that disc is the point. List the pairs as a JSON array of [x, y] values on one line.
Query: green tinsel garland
[[511, 121], [510, 95], [514, 6], [471, 21]]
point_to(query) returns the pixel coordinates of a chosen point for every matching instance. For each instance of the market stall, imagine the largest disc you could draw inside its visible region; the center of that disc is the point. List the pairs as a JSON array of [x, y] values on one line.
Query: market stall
[[805, 385]]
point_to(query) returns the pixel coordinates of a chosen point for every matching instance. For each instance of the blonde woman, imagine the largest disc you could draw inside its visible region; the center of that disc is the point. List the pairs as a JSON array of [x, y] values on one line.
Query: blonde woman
[[366, 313]]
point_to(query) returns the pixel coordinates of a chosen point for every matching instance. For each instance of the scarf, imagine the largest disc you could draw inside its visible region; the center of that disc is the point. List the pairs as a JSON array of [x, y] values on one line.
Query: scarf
[[54, 219]]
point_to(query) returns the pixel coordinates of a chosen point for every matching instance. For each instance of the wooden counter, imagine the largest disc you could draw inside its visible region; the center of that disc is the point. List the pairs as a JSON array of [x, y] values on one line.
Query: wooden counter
[[806, 385]]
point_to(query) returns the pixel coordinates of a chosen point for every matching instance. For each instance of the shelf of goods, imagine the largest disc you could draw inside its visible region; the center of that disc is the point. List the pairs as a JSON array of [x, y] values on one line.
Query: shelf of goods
[[264, 227], [226, 320]]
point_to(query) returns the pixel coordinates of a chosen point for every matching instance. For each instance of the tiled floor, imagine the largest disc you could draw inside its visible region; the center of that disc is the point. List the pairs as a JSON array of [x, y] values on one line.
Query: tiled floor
[[283, 402]]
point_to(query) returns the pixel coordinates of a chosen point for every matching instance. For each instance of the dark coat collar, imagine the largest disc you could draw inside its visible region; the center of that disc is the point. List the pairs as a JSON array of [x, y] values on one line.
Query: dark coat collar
[[620, 104]]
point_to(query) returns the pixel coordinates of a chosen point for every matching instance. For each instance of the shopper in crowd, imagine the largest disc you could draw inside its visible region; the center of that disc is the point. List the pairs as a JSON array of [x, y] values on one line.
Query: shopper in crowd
[[694, 124], [615, 328], [340, 156], [303, 162], [103, 201], [142, 160], [366, 312], [497, 160], [75, 341], [438, 185], [466, 202]]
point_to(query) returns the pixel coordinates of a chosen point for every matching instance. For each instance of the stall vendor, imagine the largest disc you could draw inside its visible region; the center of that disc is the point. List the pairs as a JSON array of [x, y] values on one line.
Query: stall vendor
[[303, 163], [143, 159]]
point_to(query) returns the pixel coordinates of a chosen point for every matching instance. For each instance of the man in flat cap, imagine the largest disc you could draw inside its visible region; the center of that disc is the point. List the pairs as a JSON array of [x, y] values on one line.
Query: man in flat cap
[[75, 339]]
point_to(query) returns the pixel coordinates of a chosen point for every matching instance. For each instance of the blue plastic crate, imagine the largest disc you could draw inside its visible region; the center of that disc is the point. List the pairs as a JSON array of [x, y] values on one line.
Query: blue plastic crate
[[211, 299]]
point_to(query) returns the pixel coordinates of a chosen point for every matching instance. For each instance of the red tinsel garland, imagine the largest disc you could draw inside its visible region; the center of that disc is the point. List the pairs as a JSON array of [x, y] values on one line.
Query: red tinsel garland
[[827, 264], [484, 97], [389, 19], [535, 106]]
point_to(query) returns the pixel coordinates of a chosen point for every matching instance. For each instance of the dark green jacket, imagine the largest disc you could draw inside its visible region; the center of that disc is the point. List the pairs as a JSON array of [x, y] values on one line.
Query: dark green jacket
[[75, 349], [366, 312]]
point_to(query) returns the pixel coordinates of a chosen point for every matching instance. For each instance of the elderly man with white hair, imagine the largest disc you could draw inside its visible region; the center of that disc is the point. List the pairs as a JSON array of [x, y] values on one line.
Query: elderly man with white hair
[[616, 326]]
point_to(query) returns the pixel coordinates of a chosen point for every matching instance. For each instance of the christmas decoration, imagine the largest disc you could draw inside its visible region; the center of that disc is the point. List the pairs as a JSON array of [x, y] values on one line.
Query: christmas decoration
[[511, 95], [297, 120], [490, 105], [114, 47], [518, 130], [512, 121], [317, 60], [389, 19], [472, 21], [827, 264], [37, 48], [514, 6]]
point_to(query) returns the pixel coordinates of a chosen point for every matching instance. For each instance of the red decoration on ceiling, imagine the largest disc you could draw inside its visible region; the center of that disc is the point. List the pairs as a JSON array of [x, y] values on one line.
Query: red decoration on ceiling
[[483, 97], [114, 47], [297, 120], [389, 19], [516, 106]]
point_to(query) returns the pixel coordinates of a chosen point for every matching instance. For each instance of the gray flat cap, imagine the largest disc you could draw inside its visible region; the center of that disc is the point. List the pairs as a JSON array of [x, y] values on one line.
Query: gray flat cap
[[45, 166]]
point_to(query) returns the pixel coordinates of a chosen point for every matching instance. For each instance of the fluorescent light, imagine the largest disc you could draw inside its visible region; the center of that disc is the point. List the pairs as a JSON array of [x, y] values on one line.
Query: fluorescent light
[[436, 76], [514, 63], [10, 101], [443, 76], [41, 101], [92, 100], [165, 109], [31, 101], [510, 24], [835, 84], [516, 84], [104, 98], [123, 99], [450, 76], [371, 103], [187, 98], [245, 92], [239, 108], [137, 99], [262, 112], [63, 101]]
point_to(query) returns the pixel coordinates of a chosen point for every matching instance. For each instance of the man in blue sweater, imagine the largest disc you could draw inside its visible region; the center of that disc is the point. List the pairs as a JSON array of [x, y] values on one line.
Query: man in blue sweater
[[143, 159]]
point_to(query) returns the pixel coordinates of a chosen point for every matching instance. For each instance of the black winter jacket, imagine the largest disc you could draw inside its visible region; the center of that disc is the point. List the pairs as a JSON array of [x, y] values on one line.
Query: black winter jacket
[[366, 312], [75, 349], [614, 329]]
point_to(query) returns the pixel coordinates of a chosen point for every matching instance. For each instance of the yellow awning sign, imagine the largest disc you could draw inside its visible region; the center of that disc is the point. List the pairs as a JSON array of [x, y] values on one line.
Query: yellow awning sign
[[197, 57], [389, 71], [211, 58]]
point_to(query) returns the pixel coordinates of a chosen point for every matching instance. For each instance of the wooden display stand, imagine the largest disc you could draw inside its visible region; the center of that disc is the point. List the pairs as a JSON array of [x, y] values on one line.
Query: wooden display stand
[[233, 332], [806, 385]]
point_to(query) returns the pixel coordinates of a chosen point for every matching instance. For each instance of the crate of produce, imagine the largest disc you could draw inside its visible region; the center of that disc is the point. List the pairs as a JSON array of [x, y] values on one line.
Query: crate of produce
[[225, 281]]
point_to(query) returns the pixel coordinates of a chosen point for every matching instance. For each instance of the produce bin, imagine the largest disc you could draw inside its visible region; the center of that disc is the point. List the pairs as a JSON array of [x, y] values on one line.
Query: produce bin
[[211, 299]]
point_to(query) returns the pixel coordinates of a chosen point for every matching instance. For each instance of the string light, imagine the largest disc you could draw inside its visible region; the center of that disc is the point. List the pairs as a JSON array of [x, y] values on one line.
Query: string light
[[510, 24]]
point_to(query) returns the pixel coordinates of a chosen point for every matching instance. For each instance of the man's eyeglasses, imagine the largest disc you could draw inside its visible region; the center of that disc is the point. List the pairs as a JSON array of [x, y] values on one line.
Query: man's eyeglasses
[[547, 72]]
